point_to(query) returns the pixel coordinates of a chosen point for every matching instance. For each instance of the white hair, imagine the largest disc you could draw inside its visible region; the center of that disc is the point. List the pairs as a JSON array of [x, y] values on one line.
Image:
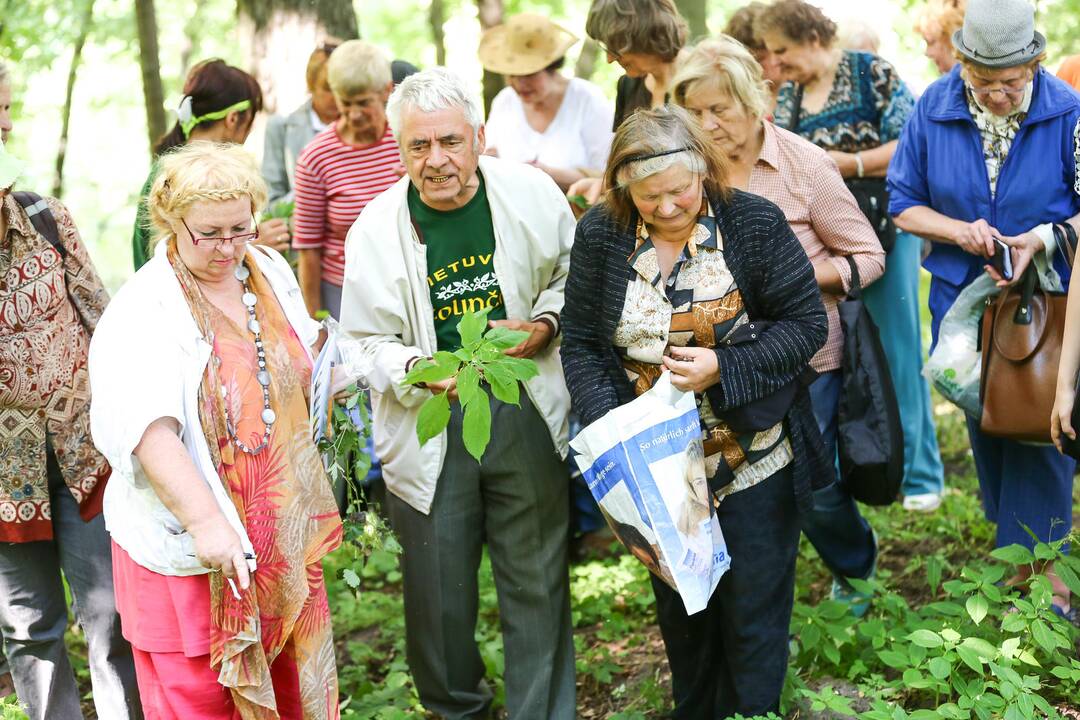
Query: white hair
[[432, 90]]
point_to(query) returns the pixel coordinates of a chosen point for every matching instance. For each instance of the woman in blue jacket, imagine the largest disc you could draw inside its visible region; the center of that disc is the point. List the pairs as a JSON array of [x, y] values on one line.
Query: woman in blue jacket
[[992, 151]]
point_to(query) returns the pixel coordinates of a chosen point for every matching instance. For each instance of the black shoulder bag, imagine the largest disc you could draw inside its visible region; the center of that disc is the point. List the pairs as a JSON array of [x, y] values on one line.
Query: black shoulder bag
[[870, 193], [41, 218], [869, 436]]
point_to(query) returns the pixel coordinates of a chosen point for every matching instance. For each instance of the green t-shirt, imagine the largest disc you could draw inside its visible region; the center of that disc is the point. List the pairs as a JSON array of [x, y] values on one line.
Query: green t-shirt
[[461, 277]]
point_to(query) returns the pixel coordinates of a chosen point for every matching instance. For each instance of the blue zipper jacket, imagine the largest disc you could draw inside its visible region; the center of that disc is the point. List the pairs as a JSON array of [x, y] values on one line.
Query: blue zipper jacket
[[939, 163]]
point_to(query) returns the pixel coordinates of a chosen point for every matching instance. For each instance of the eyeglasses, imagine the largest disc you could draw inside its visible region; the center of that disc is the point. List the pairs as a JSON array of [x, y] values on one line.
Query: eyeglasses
[[213, 243], [1012, 89]]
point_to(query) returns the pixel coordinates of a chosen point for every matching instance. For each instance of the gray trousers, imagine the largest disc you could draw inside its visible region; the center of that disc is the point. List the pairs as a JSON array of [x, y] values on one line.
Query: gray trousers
[[516, 501], [33, 616]]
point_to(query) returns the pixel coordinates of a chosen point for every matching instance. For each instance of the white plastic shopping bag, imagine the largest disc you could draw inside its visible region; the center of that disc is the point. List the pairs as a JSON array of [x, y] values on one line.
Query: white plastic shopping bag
[[644, 464], [956, 362]]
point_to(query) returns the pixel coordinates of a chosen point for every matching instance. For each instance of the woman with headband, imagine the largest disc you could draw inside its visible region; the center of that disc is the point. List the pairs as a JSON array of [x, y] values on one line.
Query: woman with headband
[[219, 105]]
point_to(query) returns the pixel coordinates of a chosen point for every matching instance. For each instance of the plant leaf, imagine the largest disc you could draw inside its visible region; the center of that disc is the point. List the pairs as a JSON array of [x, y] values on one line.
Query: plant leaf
[[523, 369], [1014, 555], [476, 425], [442, 366], [926, 639], [503, 385], [468, 385], [433, 418], [471, 327], [977, 608], [504, 338]]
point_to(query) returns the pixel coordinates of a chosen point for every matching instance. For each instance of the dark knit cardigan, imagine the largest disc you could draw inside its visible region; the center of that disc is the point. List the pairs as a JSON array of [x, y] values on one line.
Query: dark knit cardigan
[[777, 283]]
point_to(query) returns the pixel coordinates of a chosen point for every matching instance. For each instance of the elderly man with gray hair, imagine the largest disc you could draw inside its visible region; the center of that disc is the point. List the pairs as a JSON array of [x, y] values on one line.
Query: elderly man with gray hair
[[464, 231]]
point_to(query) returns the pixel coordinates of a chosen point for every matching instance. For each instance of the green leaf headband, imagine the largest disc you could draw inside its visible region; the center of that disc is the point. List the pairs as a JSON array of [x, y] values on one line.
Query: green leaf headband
[[185, 115]]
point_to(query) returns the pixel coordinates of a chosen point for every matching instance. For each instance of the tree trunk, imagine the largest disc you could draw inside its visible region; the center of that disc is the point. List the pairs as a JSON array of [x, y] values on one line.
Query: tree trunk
[[437, 17], [85, 22], [586, 62], [695, 14], [280, 36], [150, 63], [193, 29], [490, 13]]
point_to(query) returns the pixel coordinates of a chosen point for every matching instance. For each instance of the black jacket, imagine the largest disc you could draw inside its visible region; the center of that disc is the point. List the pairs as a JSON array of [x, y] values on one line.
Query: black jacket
[[776, 282]]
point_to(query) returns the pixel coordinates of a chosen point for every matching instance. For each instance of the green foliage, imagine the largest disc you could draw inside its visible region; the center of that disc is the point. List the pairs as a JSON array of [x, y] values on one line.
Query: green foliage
[[365, 531], [481, 359]]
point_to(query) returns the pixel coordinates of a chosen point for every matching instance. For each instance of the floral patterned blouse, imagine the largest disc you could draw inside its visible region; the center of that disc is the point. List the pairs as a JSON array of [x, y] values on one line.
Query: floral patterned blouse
[[48, 309], [699, 305], [867, 106]]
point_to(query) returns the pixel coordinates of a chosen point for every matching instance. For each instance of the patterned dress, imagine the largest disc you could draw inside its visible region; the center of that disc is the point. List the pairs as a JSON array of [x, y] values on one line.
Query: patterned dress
[[867, 106], [48, 310], [699, 305]]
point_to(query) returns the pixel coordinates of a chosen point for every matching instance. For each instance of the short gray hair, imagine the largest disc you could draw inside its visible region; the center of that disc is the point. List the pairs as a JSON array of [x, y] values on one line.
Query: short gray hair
[[357, 67], [429, 91]]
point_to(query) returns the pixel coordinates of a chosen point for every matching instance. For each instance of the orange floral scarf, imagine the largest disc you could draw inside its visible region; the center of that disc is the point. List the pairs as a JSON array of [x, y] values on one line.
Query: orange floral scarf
[[284, 501]]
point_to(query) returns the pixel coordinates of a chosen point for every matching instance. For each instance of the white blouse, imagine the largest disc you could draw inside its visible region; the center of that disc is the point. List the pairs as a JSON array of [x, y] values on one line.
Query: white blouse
[[578, 137]]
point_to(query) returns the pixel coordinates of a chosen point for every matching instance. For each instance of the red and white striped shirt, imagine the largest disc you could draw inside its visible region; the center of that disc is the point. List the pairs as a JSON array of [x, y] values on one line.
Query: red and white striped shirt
[[334, 182]]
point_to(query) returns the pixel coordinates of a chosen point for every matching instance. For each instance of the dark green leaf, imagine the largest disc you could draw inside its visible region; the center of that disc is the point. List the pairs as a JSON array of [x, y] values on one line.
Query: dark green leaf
[[476, 425], [940, 668], [1068, 576], [433, 417]]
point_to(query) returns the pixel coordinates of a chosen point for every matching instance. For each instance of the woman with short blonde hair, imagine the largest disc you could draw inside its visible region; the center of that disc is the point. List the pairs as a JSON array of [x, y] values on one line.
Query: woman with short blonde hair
[[721, 85], [210, 397], [357, 67]]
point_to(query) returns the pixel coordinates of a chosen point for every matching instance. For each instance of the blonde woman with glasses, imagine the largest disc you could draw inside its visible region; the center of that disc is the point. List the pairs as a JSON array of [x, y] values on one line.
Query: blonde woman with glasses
[[219, 508]]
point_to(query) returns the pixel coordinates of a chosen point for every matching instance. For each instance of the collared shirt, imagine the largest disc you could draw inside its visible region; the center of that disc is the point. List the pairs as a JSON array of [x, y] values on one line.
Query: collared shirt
[[805, 183], [698, 305], [48, 309]]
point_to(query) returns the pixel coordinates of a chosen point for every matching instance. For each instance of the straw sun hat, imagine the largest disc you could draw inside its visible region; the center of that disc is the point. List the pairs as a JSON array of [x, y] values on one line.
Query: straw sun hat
[[523, 45]]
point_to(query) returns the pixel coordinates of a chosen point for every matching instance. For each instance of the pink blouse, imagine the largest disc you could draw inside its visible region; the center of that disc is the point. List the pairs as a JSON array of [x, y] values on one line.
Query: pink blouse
[[805, 183]]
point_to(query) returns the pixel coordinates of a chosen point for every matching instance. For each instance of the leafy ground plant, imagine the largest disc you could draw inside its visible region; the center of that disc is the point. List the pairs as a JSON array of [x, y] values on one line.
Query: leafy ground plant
[[481, 360]]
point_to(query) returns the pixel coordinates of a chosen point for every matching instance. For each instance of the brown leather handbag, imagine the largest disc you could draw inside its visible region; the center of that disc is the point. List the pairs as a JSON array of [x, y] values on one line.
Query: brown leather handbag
[[1021, 344]]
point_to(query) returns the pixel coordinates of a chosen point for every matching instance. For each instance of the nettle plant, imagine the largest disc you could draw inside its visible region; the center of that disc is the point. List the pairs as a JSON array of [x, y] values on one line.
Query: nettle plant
[[980, 650], [481, 360]]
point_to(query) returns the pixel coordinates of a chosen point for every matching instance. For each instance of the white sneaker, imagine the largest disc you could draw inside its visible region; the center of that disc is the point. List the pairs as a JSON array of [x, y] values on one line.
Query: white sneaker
[[922, 502]]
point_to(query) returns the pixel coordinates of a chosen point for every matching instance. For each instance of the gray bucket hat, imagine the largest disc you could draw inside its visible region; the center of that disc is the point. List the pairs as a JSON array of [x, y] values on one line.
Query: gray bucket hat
[[999, 33]]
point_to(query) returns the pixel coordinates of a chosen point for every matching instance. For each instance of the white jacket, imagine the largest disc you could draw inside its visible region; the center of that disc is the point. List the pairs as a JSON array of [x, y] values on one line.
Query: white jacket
[[387, 315], [147, 359]]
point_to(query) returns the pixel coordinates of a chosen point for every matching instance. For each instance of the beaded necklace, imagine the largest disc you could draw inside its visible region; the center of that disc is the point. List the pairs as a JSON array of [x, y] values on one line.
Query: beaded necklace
[[263, 375]]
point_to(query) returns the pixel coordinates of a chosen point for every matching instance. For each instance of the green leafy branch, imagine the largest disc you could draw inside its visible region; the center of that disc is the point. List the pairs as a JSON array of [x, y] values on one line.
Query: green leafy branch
[[345, 445], [481, 360]]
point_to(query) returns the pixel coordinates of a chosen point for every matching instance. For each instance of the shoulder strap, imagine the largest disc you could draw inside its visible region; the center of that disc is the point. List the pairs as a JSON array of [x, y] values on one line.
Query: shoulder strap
[[42, 219], [796, 111], [855, 292]]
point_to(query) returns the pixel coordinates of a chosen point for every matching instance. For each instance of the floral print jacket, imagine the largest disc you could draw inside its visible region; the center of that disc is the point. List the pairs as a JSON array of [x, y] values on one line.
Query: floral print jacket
[[48, 309]]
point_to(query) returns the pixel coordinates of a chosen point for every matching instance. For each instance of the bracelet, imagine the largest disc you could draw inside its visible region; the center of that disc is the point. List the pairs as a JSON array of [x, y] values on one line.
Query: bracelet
[[858, 164]]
